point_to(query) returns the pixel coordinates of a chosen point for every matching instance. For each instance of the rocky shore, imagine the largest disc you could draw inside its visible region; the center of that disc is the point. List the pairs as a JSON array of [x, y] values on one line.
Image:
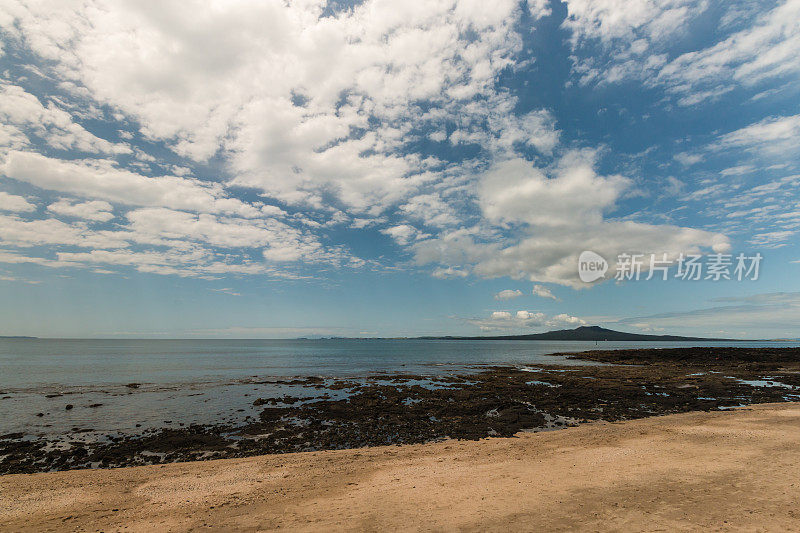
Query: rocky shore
[[405, 409]]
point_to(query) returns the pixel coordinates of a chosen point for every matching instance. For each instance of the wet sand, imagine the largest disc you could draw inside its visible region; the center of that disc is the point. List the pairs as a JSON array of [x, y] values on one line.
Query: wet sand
[[729, 470]]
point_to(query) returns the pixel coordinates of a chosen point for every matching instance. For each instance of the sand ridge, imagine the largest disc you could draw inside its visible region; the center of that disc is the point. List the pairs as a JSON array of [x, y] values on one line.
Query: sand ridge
[[733, 470]]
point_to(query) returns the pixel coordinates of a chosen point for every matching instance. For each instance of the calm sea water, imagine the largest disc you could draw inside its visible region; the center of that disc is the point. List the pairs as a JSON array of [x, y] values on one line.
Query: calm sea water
[[207, 381]]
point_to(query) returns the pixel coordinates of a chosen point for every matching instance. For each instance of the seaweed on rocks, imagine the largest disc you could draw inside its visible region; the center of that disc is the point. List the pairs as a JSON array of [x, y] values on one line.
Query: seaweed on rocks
[[403, 408]]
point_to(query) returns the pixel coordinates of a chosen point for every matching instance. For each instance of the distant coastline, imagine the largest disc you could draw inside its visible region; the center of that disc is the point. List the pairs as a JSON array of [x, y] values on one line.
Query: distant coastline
[[582, 333], [591, 333]]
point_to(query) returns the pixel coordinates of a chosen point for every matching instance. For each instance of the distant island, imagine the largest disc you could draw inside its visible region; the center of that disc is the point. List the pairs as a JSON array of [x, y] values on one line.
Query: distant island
[[583, 333], [16, 337]]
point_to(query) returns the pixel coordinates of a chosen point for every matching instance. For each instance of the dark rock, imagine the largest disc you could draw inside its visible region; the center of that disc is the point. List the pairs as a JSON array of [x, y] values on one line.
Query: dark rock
[[396, 409]]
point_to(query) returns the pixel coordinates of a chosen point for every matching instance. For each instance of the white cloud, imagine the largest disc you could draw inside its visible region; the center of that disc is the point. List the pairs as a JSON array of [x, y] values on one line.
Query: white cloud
[[96, 210], [772, 239], [539, 8], [403, 234], [15, 258], [543, 292], [630, 22], [16, 279], [194, 263], [756, 198], [564, 319], [630, 35], [556, 218], [508, 294], [635, 40], [430, 209], [766, 49], [24, 112], [516, 191], [14, 203], [187, 244], [276, 240], [525, 320], [449, 272], [771, 137], [322, 115], [25, 233], [11, 137], [552, 257], [738, 170], [284, 94], [688, 159], [227, 290], [101, 179]]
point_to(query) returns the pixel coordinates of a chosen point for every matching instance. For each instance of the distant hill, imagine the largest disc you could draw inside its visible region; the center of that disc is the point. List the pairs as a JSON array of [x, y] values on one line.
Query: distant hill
[[15, 337], [585, 333]]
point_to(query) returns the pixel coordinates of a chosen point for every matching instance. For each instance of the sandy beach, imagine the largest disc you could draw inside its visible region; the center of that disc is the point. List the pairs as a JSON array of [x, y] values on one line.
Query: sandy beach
[[731, 470]]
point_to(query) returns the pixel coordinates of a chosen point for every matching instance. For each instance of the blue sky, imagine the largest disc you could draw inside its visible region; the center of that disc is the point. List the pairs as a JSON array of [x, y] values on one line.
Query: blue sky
[[283, 169]]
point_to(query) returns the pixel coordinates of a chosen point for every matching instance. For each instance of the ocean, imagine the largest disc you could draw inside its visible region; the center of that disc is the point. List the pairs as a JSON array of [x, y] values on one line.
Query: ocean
[[125, 386]]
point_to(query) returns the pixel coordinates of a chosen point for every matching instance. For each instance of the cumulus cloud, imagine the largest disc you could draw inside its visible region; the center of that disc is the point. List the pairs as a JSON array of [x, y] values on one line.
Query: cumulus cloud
[[430, 209], [557, 212], [612, 20], [402, 234], [449, 272], [297, 102], [525, 320], [553, 257], [24, 113], [508, 294], [277, 241], [96, 210], [14, 203], [516, 191], [13, 257], [17, 231], [101, 179], [543, 292], [630, 34], [186, 244], [275, 122]]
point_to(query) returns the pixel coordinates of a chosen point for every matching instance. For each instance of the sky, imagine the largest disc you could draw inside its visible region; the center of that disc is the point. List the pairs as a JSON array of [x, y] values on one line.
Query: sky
[[272, 169]]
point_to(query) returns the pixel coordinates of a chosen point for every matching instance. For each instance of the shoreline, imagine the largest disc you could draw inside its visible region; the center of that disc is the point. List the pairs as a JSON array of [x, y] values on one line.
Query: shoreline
[[500, 401], [728, 470]]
